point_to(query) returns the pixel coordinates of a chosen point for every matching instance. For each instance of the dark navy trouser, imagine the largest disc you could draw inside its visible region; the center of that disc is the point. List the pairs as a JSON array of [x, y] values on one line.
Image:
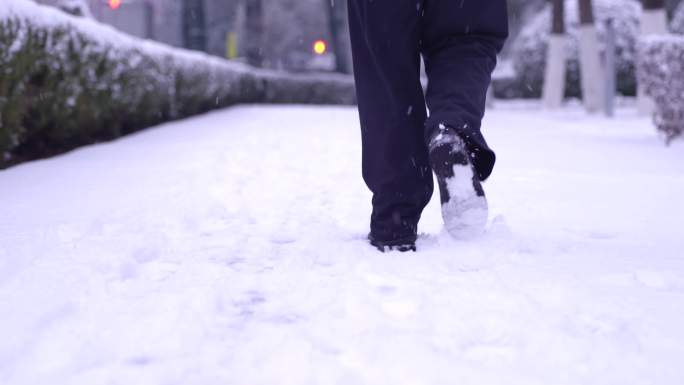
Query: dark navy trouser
[[459, 41]]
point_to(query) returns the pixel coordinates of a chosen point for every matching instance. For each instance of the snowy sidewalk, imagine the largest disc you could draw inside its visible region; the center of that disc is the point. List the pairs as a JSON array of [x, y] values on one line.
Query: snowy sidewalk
[[229, 249]]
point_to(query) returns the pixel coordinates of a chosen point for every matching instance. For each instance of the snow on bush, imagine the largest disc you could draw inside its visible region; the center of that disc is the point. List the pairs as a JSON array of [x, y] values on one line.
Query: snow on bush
[[66, 81], [529, 49], [677, 24], [661, 72], [75, 7]]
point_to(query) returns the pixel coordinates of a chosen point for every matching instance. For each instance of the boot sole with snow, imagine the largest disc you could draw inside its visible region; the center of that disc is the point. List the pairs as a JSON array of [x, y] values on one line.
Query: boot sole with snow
[[464, 205]]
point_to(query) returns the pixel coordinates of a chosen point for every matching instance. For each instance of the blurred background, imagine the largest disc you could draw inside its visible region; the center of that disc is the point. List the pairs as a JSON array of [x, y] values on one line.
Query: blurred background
[[289, 29], [80, 75], [312, 35]]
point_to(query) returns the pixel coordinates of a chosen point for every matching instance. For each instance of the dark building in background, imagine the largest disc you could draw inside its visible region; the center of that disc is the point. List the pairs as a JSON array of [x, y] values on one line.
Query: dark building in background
[[194, 26]]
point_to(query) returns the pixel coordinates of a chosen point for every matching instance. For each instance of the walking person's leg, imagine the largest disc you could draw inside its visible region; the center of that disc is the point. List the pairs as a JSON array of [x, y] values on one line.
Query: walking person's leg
[[386, 50], [460, 41]]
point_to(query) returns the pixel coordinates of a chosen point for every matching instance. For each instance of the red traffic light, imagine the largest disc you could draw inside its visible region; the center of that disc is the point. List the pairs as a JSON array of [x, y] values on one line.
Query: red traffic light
[[114, 4]]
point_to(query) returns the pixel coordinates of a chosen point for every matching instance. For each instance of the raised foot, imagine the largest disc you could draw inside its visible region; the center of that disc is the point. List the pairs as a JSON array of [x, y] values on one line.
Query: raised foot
[[464, 205]]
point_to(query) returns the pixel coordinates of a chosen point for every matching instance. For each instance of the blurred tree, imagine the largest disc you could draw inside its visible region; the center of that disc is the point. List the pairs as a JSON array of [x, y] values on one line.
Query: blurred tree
[[519, 12], [653, 4], [586, 12], [254, 15], [653, 21], [194, 25], [558, 19], [292, 28], [677, 25], [554, 79], [671, 6]]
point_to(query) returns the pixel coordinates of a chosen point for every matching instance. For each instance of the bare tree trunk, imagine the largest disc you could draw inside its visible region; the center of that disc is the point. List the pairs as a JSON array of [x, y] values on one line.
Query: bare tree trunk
[[654, 17], [653, 21], [254, 14], [653, 4], [337, 10], [558, 19], [590, 57], [586, 12], [554, 80]]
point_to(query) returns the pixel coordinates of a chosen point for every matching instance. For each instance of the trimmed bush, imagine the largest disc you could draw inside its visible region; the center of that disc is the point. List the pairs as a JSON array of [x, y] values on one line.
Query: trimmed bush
[[677, 24], [68, 81], [661, 72], [529, 49]]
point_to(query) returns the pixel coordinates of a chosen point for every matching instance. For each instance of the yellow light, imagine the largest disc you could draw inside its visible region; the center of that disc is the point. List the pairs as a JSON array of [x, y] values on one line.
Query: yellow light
[[320, 47], [114, 4]]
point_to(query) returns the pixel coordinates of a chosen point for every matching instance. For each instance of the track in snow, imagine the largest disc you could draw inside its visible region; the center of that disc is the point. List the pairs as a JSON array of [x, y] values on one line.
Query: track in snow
[[229, 248]]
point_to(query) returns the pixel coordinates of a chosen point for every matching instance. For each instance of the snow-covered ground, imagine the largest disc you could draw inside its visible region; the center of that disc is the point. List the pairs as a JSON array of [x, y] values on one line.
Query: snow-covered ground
[[229, 249]]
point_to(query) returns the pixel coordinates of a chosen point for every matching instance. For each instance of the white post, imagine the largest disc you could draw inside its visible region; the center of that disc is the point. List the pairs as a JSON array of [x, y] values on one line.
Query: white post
[[554, 78], [653, 21], [589, 57], [590, 67], [610, 70]]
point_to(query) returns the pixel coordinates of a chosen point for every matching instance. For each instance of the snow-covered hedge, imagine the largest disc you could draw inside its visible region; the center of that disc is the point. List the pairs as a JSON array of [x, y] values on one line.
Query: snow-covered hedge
[[67, 81], [529, 49], [74, 7], [661, 72], [677, 24]]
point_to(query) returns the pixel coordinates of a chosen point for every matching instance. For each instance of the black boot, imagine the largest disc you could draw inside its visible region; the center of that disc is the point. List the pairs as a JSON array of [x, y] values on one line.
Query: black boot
[[464, 206], [402, 245]]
